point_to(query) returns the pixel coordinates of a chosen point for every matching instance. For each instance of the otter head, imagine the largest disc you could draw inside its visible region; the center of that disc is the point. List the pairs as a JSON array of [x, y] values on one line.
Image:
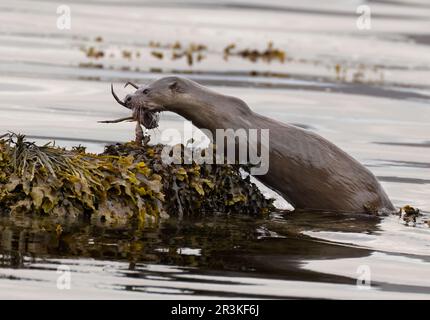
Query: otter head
[[156, 96], [183, 97]]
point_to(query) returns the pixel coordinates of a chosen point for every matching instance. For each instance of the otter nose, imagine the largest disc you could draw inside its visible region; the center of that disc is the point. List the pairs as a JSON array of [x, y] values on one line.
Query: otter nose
[[127, 99]]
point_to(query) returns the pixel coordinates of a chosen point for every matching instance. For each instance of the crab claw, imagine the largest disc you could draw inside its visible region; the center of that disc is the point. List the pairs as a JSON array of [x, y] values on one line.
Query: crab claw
[[132, 84], [116, 97]]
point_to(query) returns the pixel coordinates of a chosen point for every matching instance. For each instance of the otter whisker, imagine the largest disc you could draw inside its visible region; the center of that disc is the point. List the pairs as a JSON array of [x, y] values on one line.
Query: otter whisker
[[116, 97], [118, 120], [132, 84]]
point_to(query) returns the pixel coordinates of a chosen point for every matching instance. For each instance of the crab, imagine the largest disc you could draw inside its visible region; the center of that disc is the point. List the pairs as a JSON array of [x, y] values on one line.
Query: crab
[[140, 115]]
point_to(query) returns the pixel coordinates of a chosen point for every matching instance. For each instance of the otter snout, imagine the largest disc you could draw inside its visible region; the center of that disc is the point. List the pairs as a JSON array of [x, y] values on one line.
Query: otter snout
[[139, 100], [128, 100], [133, 100]]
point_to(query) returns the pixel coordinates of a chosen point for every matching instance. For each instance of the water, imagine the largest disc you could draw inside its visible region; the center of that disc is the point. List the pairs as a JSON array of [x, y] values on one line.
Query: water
[[375, 105]]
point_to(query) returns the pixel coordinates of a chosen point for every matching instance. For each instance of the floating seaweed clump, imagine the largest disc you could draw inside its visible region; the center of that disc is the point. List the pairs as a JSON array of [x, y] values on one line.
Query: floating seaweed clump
[[93, 52], [409, 214], [267, 55], [127, 181]]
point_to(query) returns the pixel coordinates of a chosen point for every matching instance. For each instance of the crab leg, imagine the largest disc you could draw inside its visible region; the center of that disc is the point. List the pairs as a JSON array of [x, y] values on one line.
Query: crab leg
[[117, 120], [139, 134], [132, 84], [116, 97]]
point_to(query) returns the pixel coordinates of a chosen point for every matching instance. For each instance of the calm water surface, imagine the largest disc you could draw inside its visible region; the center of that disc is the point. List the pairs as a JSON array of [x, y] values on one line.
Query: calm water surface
[[367, 91]]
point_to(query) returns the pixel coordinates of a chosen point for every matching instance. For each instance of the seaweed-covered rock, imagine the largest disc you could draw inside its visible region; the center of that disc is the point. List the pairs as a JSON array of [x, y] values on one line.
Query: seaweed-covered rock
[[125, 182]]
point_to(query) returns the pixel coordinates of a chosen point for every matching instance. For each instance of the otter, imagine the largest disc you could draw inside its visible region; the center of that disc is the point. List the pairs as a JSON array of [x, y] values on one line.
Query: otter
[[310, 172]]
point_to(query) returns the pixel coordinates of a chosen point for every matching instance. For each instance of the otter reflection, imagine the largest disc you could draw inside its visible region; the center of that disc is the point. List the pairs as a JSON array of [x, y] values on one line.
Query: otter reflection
[[271, 246]]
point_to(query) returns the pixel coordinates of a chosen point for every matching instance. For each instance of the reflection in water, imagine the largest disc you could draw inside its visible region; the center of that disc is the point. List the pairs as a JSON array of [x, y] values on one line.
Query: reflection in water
[[270, 247]]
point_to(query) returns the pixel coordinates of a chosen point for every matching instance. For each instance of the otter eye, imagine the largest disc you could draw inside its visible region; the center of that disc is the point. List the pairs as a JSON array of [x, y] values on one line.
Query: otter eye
[[146, 91]]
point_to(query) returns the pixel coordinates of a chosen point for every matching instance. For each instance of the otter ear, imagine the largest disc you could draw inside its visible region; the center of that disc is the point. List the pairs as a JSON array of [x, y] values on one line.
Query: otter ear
[[175, 86]]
